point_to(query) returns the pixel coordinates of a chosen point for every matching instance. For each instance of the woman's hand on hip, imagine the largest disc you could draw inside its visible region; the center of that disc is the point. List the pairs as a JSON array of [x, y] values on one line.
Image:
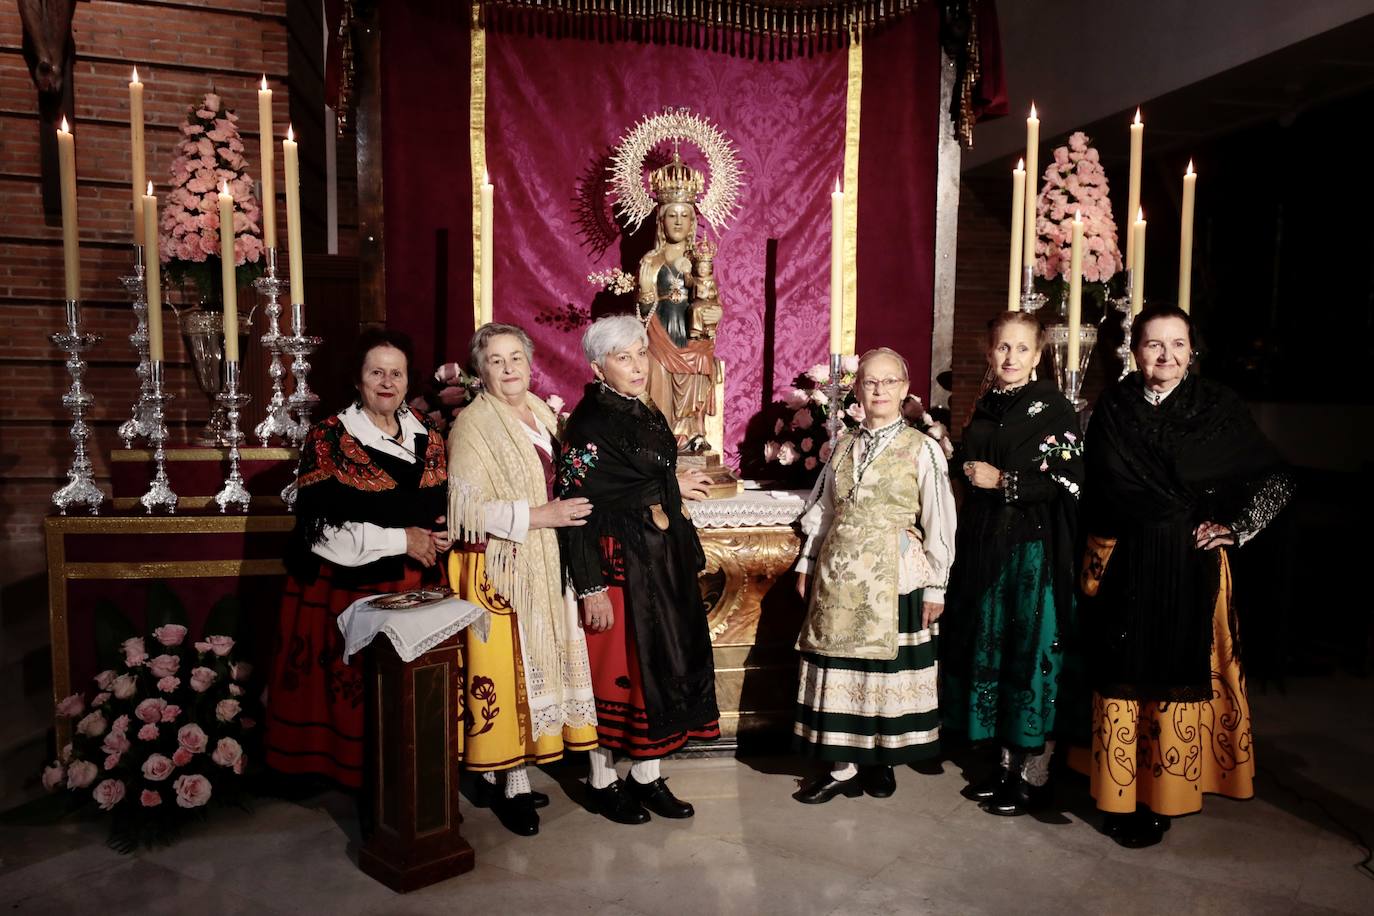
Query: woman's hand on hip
[[420, 546], [561, 513], [694, 484], [1211, 535], [597, 613]]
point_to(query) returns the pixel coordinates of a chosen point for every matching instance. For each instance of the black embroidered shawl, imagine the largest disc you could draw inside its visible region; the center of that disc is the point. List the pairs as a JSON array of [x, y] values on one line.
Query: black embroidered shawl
[[619, 453], [340, 480], [1154, 474]]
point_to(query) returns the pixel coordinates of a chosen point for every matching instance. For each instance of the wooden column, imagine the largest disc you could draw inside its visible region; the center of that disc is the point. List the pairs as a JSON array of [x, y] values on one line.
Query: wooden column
[[412, 752]]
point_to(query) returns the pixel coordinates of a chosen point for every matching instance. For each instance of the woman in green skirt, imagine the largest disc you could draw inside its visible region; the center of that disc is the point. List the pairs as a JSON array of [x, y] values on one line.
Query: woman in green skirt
[[879, 545], [1011, 594]]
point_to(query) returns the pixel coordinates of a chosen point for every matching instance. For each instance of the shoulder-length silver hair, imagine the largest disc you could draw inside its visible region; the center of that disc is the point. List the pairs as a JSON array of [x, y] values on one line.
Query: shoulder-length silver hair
[[611, 335], [478, 348]]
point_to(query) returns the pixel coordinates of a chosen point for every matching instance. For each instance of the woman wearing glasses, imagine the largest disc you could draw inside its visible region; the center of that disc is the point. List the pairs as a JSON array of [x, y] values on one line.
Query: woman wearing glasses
[[879, 545]]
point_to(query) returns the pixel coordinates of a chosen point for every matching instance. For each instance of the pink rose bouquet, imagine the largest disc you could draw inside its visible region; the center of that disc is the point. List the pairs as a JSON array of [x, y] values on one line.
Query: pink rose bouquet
[[167, 734], [1075, 182]]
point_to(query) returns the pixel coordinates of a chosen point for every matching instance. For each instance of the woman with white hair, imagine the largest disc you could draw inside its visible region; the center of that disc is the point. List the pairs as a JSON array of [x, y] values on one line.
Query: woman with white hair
[[634, 567], [879, 546]]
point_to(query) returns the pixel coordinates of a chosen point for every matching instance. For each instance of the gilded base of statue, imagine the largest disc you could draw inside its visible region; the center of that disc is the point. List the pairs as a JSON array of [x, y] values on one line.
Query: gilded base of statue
[[724, 484]]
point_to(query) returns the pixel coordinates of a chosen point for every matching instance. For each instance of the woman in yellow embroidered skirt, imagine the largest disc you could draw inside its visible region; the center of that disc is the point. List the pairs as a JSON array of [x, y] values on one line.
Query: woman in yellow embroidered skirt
[[528, 690], [1177, 472]]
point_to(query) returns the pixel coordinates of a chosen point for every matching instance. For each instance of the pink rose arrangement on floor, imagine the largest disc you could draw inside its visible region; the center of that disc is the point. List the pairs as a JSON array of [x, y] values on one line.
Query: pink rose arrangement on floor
[[800, 445], [210, 154], [1075, 182], [159, 748]]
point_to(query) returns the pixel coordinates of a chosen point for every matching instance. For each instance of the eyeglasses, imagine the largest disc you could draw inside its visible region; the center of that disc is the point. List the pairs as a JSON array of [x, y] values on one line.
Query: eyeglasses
[[876, 385]]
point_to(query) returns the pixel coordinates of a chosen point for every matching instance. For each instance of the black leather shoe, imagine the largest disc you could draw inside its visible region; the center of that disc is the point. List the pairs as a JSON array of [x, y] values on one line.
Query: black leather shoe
[[485, 793], [517, 814], [658, 798], [615, 804], [1016, 797], [982, 791], [821, 789], [540, 799], [1137, 830], [878, 781]]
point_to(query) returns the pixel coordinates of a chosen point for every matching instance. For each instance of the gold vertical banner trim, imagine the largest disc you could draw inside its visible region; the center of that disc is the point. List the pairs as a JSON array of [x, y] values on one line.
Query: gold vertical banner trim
[[477, 149], [853, 95]]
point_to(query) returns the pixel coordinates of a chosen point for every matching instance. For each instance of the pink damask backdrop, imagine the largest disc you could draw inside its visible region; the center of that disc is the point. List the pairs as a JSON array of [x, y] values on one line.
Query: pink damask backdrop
[[556, 108]]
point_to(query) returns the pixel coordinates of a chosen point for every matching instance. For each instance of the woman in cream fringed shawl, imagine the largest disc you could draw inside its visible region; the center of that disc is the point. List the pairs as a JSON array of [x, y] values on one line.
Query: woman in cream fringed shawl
[[528, 686]]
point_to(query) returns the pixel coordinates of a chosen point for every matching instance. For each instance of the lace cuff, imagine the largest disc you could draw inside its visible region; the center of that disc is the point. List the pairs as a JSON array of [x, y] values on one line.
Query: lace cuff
[[1270, 497], [587, 593], [1011, 485]]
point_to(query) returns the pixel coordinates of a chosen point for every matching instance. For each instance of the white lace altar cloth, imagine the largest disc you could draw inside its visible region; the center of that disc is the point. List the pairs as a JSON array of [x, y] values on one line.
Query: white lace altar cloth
[[751, 508], [413, 631]]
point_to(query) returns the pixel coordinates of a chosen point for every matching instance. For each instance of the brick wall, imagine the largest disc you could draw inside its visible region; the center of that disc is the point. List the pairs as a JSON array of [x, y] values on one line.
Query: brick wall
[[181, 53], [980, 282]]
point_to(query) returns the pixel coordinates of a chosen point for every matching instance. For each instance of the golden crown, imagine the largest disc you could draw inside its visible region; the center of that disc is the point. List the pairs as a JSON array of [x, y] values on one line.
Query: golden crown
[[676, 182]]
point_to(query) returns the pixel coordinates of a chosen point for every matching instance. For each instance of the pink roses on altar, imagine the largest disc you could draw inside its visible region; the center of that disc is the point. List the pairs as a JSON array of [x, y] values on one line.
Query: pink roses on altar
[[1075, 182], [170, 635], [109, 793], [157, 767], [192, 791]]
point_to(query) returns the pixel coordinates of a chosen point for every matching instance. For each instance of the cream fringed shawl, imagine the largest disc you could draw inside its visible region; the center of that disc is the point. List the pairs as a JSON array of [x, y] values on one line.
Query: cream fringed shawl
[[490, 458]]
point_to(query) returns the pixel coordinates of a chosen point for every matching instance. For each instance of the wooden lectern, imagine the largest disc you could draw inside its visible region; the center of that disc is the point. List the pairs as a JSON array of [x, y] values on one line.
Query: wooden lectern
[[414, 711]]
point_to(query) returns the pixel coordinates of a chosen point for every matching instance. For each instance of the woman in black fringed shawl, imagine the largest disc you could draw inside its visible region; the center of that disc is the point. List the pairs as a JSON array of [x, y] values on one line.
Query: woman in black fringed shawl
[[634, 567], [1009, 628], [1177, 473], [371, 491]]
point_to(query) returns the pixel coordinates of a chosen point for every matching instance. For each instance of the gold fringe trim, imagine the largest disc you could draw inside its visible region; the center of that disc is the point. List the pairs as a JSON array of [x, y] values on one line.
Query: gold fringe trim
[[765, 29]]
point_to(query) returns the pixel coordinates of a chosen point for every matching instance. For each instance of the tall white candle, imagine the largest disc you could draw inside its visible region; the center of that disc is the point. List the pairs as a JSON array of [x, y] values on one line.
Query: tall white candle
[[1018, 209], [1075, 292], [291, 164], [228, 280], [71, 249], [152, 275], [1133, 192], [269, 176], [1138, 274], [1185, 242], [1032, 187], [837, 269], [488, 217], [139, 170]]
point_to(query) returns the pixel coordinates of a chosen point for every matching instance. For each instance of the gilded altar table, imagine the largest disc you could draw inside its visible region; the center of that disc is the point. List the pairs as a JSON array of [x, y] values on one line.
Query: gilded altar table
[[753, 612]]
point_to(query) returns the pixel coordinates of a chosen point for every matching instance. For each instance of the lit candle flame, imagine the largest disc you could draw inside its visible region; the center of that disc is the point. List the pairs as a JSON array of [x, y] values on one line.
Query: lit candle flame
[[1140, 214], [64, 128], [264, 82], [223, 188], [1078, 216], [837, 185], [150, 189], [290, 134], [1190, 168], [1033, 115], [135, 79], [486, 178], [1137, 116], [1020, 165]]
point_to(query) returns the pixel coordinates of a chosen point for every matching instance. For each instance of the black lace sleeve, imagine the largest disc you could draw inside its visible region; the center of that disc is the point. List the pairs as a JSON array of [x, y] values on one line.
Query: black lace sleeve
[[1270, 496]]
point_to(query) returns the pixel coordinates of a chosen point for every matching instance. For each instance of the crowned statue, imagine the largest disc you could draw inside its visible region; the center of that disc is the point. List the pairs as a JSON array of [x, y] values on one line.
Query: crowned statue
[[680, 305], [677, 296]]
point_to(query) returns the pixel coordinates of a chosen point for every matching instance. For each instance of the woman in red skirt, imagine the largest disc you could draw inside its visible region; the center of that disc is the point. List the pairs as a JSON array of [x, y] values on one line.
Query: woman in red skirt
[[372, 492], [634, 566]]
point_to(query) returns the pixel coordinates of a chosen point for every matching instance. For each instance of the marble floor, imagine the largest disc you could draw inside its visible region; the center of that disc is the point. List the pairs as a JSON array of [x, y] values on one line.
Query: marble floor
[[751, 849]]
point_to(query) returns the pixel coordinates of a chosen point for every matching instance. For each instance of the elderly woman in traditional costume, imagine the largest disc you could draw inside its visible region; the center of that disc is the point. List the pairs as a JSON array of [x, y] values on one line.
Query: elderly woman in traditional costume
[[528, 687], [634, 567], [1177, 472], [1011, 593], [369, 518], [879, 544]]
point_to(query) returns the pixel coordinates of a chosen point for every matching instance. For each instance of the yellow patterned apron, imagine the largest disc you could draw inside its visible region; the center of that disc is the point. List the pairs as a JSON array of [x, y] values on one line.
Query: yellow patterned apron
[[853, 611]]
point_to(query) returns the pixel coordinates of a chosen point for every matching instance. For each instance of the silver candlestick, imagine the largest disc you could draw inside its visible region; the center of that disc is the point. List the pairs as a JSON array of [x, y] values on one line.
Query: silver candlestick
[[278, 420], [1031, 301], [1122, 304], [138, 424], [299, 346], [1070, 377], [233, 493], [833, 423], [159, 495], [80, 489]]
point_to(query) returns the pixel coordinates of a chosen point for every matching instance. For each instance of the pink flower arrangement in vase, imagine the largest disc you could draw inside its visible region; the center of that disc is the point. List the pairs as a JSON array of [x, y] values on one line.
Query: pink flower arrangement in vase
[[164, 734], [1075, 182], [209, 154]]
